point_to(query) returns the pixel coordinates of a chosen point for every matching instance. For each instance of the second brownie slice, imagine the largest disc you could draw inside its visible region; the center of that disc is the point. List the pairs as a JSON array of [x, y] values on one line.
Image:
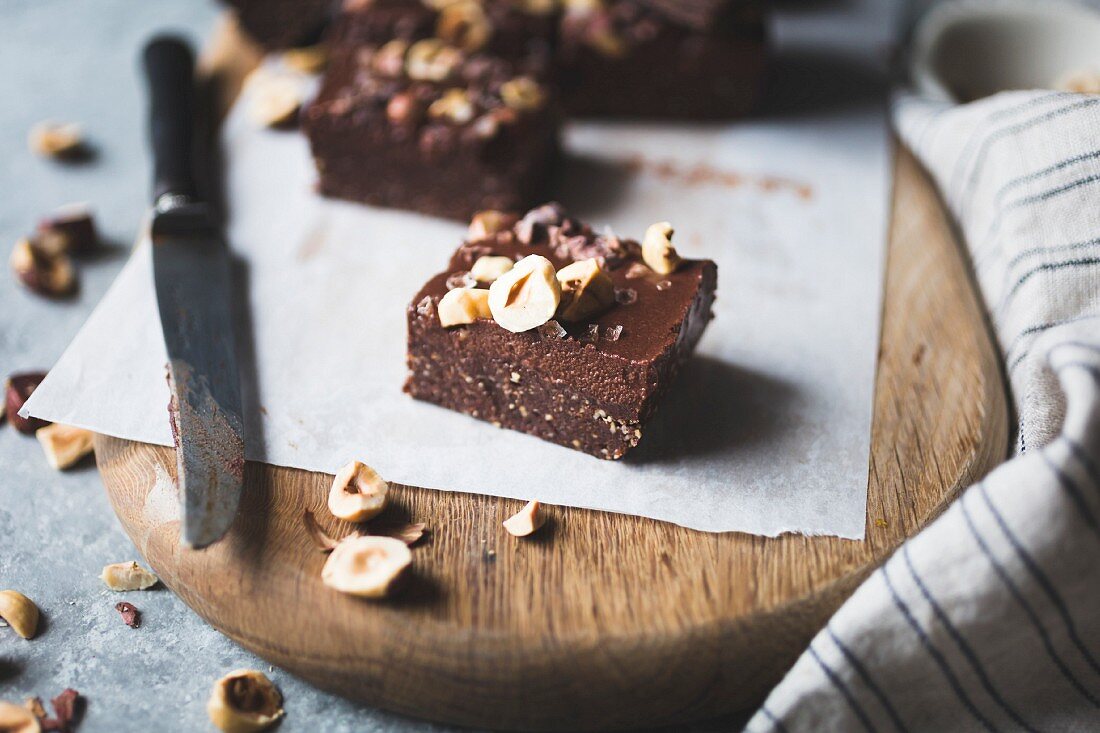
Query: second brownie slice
[[428, 127]]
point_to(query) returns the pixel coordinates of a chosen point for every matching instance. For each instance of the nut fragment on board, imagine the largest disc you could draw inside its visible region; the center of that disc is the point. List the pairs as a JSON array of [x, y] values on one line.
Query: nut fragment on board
[[488, 268], [17, 390], [17, 719], [366, 566], [19, 612], [586, 290], [657, 249], [408, 532], [526, 296], [131, 616], [276, 100], [307, 59], [123, 576], [358, 493], [463, 306], [244, 701], [65, 445], [41, 272], [57, 139], [526, 521], [324, 541]]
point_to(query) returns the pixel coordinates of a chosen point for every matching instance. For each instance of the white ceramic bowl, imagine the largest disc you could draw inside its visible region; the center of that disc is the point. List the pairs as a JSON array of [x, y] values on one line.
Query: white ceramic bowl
[[968, 49]]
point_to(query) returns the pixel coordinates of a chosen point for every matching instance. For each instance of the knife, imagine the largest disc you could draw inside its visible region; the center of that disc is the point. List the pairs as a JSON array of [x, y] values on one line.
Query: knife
[[191, 274]]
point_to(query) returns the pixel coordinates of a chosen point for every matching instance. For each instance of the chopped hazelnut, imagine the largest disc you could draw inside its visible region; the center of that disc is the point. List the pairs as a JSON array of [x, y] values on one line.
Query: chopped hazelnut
[[307, 60], [586, 290], [463, 306], [526, 521], [657, 249], [276, 100], [402, 108], [124, 576], [464, 23], [358, 493], [18, 390], [526, 296], [366, 566], [487, 223], [65, 445], [42, 273], [431, 60], [389, 60], [454, 105], [17, 719], [57, 139], [522, 94], [244, 701], [488, 268], [19, 612], [71, 230]]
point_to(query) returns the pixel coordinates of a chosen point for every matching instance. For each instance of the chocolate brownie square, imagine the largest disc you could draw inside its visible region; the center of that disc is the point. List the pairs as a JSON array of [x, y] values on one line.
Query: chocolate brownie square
[[701, 59], [511, 28], [429, 127], [283, 23], [541, 325]]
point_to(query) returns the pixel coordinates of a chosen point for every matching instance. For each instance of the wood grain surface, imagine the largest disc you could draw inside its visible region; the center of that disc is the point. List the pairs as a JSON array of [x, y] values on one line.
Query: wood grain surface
[[600, 621]]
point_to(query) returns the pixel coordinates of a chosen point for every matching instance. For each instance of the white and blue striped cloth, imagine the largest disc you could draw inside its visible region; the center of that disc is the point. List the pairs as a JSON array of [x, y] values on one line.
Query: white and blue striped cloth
[[989, 620]]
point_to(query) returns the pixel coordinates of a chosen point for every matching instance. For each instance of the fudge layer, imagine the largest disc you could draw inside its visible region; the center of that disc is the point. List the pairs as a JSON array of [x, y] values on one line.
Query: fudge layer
[[662, 58], [429, 127], [589, 385]]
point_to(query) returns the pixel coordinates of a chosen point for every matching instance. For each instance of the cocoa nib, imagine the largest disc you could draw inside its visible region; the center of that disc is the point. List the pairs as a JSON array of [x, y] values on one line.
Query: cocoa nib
[[18, 391], [130, 615]]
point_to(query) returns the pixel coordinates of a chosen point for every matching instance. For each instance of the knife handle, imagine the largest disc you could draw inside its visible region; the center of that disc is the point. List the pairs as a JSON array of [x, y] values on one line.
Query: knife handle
[[170, 73]]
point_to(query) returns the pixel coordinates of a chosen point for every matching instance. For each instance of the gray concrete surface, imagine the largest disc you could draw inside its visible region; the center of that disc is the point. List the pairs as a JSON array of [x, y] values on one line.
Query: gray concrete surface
[[76, 60]]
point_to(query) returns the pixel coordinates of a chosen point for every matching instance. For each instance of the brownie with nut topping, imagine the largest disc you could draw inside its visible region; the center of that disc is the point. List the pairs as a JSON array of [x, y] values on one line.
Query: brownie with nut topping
[[680, 59], [590, 380], [282, 23], [511, 28], [428, 127]]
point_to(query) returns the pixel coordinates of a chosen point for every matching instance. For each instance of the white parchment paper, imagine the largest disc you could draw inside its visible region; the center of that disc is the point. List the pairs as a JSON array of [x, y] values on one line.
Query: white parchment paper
[[767, 430]]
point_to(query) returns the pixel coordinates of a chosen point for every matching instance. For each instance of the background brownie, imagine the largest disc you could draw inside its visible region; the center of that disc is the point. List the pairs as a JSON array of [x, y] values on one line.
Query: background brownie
[[283, 23], [699, 59], [430, 128], [590, 385]]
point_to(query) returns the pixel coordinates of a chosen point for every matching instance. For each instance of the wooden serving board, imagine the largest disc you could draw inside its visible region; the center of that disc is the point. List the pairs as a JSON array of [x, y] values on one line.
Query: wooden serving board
[[601, 620]]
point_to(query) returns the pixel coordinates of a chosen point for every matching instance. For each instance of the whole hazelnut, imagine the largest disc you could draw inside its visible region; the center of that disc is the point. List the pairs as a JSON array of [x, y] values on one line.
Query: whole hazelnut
[[366, 566], [526, 296], [358, 493]]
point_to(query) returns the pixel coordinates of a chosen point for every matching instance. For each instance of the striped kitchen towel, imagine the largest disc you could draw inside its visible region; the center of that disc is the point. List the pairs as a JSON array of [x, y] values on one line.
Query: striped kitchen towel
[[989, 619]]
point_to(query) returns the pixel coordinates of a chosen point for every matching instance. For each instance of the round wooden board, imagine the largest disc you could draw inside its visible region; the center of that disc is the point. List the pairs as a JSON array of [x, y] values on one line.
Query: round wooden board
[[601, 620]]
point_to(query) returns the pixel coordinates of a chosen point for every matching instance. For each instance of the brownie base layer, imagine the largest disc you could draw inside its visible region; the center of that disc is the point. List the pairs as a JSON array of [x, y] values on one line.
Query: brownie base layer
[[563, 390]]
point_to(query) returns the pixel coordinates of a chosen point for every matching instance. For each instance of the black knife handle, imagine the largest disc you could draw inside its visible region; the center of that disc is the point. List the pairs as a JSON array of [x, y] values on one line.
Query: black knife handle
[[170, 73]]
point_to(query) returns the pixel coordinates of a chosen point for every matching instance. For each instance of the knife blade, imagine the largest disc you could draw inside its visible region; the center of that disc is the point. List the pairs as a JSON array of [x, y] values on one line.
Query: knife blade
[[192, 279]]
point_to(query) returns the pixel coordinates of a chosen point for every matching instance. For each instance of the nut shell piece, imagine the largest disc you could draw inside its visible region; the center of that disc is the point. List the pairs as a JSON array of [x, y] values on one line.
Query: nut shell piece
[[358, 493], [45, 274], [657, 249], [65, 445], [20, 613], [56, 139], [526, 296], [244, 701], [526, 521], [17, 391], [17, 719], [462, 306], [366, 566], [123, 576]]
